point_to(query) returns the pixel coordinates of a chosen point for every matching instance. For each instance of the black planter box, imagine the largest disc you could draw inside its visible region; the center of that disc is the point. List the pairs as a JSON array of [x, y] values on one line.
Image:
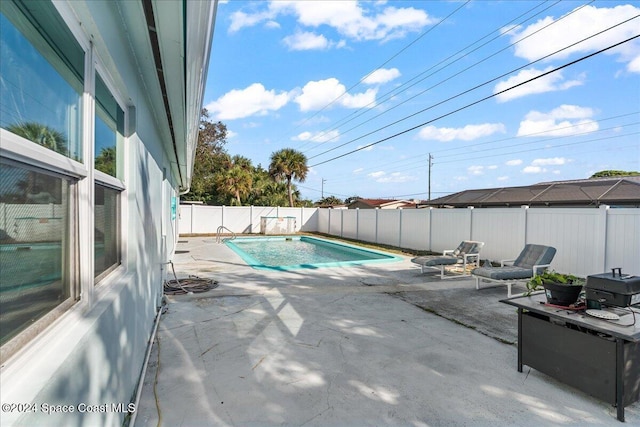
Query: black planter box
[[562, 294]]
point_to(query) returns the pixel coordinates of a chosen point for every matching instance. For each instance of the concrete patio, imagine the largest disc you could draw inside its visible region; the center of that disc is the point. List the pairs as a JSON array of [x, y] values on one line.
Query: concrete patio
[[377, 345]]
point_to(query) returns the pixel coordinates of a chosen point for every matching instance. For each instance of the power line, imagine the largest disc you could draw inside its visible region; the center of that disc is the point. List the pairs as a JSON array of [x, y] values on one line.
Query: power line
[[417, 158], [405, 86], [476, 87], [477, 101], [382, 65]]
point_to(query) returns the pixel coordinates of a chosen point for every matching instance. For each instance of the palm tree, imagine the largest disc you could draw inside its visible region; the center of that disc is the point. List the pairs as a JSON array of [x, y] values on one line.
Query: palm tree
[[288, 164], [41, 134], [235, 181]]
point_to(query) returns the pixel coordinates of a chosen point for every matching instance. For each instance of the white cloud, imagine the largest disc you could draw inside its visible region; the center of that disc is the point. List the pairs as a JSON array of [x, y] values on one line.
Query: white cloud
[[253, 100], [514, 162], [467, 133], [475, 170], [241, 20], [381, 75], [306, 41], [503, 178], [318, 136], [354, 20], [550, 83], [561, 121], [492, 167], [533, 169], [358, 170], [549, 161], [318, 94], [576, 26], [634, 65], [395, 177], [231, 134]]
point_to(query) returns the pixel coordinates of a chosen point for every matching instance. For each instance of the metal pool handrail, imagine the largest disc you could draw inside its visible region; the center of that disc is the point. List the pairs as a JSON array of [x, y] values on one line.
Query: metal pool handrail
[[220, 230]]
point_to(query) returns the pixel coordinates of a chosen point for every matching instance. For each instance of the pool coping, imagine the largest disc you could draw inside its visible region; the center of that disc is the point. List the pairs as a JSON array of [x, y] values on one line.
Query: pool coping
[[255, 264]]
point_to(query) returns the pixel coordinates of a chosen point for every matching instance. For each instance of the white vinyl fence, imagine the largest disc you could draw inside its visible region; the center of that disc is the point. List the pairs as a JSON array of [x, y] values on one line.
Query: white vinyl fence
[[588, 241]]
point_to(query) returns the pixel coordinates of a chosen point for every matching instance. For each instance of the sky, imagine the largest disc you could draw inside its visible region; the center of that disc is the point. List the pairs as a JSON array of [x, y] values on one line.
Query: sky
[[495, 93]]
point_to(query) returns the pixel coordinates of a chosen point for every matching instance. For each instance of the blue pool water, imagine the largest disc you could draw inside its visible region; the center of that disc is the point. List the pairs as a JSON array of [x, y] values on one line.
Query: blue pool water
[[290, 253]]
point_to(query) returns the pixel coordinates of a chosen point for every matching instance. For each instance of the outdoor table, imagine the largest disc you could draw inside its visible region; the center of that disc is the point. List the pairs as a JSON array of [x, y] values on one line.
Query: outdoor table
[[597, 356]]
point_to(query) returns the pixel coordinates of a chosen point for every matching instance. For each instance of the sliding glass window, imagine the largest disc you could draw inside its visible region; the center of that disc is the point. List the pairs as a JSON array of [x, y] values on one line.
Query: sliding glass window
[[109, 141], [41, 70], [35, 245]]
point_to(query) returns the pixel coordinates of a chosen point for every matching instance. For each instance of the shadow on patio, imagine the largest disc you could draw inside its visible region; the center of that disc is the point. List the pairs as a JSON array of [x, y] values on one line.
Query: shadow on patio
[[368, 345]]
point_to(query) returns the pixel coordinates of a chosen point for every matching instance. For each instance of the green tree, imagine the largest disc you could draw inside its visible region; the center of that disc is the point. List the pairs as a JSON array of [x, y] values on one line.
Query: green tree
[[43, 135], [235, 179], [351, 199], [608, 173], [210, 157], [106, 161], [286, 165], [330, 200]]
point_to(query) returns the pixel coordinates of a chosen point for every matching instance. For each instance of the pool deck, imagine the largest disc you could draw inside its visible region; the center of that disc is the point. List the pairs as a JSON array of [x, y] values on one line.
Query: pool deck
[[366, 345]]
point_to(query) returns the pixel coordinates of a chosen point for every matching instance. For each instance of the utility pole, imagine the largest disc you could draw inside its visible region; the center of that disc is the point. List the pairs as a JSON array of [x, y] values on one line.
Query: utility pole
[[430, 164], [322, 192]]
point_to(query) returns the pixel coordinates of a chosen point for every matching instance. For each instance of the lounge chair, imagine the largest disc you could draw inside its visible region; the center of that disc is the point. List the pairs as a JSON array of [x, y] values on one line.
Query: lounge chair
[[467, 252], [533, 260]]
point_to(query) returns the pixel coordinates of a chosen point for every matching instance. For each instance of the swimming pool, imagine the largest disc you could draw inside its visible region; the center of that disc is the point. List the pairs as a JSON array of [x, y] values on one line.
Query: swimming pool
[[299, 252]]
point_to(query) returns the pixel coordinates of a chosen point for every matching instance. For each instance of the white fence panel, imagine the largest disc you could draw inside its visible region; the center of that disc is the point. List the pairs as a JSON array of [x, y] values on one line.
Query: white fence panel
[[449, 227], [623, 241], [502, 231], [577, 235], [184, 220], [206, 219], [237, 219], [323, 220], [367, 225], [335, 222], [350, 223], [414, 232], [389, 226], [309, 219]]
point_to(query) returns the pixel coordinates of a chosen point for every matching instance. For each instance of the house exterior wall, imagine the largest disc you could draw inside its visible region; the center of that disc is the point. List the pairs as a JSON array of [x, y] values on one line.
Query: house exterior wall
[[93, 352]]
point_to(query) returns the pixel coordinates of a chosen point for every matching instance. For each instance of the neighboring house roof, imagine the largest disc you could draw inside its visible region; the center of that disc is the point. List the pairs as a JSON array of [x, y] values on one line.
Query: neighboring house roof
[[381, 204], [619, 191]]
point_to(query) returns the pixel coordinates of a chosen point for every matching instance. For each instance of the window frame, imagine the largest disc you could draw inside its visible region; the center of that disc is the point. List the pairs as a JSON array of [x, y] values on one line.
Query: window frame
[[82, 177]]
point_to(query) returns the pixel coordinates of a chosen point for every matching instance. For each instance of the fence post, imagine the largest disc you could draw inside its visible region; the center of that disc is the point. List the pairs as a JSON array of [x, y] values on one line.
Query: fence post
[[470, 208], [341, 223], [429, 226], [222, 216], [377, 210], [605, 220], [400, 229], [525, 210], [357, 223], [191, 220]]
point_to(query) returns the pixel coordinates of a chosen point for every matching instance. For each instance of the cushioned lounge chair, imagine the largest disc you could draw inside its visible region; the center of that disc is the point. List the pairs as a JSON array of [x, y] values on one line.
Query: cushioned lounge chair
[[466, 253], [533, 260]]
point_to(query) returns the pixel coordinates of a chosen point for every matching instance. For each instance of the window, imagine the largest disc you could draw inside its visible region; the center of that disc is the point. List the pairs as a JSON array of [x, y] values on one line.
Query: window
[[109, 131], [107, 230], [42, 71], [34, 246], [109, 140]]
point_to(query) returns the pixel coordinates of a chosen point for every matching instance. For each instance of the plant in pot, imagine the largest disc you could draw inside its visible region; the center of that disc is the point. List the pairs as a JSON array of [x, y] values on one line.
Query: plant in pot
[[560, 289]]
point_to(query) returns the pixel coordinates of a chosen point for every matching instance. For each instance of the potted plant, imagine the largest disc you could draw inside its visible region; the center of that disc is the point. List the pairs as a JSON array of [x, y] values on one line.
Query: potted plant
[[560, 289]]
